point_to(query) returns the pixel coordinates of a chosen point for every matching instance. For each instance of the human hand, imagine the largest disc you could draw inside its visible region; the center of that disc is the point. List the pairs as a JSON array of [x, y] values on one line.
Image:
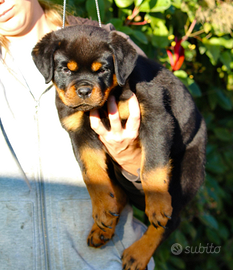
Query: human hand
[[121, 143]]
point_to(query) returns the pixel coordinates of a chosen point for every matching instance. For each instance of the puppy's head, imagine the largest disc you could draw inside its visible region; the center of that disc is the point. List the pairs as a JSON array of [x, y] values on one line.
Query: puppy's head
[[85, 63]]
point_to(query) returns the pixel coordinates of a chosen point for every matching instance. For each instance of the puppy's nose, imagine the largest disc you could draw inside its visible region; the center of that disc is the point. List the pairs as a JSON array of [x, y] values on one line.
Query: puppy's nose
[[84, 92]]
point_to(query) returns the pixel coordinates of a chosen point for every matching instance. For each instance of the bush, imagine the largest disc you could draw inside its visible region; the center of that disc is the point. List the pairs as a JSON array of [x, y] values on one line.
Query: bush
[[194, 40]]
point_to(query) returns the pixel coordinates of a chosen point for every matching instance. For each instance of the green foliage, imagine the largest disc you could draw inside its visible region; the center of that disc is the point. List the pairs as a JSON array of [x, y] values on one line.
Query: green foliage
[[205, 28]]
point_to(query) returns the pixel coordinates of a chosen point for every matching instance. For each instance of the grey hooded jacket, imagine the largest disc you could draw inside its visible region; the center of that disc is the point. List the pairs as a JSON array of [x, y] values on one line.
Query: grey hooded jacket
[[45, 209]]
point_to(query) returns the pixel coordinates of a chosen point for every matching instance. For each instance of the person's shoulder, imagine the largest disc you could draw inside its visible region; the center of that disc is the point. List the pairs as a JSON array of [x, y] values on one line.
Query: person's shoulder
[[73, 20]]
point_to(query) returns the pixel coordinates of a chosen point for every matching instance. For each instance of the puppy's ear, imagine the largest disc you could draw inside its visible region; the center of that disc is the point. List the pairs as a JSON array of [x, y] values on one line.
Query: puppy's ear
[[42, 55], [125, 56]]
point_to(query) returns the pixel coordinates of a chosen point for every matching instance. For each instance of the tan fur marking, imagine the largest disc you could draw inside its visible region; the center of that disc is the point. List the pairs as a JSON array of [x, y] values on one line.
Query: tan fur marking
[[73, 121], [71, 94], [96, 66], [72, 65], [96, 171], [157, 180], [123, 109], [158, 200], [62, 96], [96, 96], [108, 90], [69, 97], [93, 161], [142, 110], [36, 50], [140, 252]]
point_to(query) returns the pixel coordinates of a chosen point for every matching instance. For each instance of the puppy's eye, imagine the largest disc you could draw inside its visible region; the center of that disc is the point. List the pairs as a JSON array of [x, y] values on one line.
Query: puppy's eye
[[102, 70], [66, 70]]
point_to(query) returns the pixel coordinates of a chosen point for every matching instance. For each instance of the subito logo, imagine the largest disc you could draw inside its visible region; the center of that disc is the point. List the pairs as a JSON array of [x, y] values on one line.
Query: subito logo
[[176, 249]]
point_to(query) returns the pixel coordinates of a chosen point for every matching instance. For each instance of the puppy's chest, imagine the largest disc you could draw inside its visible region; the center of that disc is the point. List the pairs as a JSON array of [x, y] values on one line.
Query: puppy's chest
[[79, 120]]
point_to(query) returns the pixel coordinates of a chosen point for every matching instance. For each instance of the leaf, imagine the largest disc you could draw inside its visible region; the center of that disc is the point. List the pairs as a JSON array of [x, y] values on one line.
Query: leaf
[[202, 49], [140, 36], [225, 58], [223, 232], [228, 157], [123, 3], [214, 46], [91, 9], [155, 19], [212, 184], [189, 83], [213, 236], [211, 263], [138, 2], [127, 30], [215, 164], [181, 74], [177, 262], [230, 82], [213, 53], [223, 100], [160, 35], [223, 134], [209, 221], [225, 42], [180, 238], [176, 3], [116, 22], [189, 229], [207, 27], [155, 5], [213, 100], [194, 88]]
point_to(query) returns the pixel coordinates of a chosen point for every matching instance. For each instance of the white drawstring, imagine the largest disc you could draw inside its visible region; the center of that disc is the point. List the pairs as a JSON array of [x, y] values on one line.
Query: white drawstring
[[64, 13], [98, 12]]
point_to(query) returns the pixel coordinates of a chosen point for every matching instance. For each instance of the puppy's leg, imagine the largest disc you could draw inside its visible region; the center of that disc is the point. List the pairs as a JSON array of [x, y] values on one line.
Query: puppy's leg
[[158, 209], [108, 199], [155, 183], [137, 256]]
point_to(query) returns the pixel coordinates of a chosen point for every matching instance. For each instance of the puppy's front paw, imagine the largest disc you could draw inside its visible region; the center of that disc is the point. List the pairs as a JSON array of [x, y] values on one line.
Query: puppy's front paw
[[105, 213], [106, 217], [97, 237], [135, 257], [159, 208]]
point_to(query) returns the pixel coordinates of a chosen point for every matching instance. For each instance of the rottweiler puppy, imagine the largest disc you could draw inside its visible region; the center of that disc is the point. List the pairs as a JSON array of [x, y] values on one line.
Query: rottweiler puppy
[[87, 64]]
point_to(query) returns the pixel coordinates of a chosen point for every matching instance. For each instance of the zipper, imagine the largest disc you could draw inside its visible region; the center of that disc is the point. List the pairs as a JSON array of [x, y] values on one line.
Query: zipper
[[41, 184]]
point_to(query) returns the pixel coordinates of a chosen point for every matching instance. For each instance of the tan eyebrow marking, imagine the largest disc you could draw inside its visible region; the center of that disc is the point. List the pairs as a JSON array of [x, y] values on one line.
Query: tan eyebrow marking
[[72, 65], [96, 66]]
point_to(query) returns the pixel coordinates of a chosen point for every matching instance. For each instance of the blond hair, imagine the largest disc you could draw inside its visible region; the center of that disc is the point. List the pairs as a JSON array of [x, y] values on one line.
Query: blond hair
[[52, 12]]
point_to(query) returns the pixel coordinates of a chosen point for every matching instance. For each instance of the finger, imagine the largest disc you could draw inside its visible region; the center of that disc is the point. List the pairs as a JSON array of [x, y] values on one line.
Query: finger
[[113, 115], [133, 121], [96, 123]]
